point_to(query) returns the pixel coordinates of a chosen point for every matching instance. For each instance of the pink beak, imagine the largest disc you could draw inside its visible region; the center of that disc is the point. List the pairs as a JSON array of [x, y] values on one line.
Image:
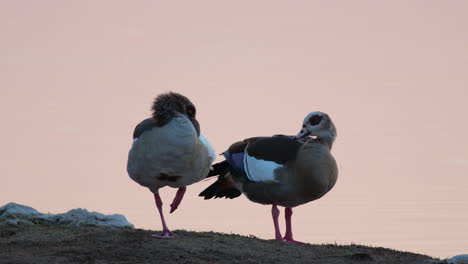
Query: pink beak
[[303, 133]]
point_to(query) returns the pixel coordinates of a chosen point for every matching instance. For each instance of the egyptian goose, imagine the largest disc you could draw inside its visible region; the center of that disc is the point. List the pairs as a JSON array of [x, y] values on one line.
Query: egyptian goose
[[280, 170], [169, 150]]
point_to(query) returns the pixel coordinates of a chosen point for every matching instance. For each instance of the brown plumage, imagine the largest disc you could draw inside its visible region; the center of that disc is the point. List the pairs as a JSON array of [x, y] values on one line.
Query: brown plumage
[[280, 170]]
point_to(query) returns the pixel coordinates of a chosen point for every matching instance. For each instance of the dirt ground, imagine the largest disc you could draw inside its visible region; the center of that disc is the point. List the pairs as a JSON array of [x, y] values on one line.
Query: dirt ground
[[41, 243]]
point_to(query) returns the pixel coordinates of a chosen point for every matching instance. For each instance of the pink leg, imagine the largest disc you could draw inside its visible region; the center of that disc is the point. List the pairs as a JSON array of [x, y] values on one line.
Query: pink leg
[[288, 237], [275, 214], [178, 198], [166, 232]]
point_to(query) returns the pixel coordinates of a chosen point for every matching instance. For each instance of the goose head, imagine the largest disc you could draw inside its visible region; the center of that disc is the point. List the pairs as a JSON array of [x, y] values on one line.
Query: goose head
[[317, 124], [168, 105]]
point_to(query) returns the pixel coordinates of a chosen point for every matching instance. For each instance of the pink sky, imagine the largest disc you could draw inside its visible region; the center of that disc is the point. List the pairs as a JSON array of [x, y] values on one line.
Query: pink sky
[[76, 77]]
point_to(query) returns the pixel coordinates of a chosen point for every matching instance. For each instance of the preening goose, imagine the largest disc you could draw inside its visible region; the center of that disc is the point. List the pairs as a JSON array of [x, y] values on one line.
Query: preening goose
[[280, 170], [169, 150]]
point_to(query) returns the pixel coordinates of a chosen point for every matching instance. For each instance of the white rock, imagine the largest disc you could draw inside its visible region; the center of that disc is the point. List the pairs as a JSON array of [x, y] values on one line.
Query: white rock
[[13, 210], [19, 214], [458, 259], [80, 216]]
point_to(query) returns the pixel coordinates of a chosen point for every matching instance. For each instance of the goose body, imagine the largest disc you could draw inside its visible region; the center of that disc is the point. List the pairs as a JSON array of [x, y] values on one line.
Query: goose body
[[172, 155], [308, 175], [281, 170], [168, 149]]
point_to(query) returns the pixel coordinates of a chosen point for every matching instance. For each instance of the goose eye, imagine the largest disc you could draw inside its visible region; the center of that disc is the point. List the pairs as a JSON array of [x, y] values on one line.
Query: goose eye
[[315, 120]]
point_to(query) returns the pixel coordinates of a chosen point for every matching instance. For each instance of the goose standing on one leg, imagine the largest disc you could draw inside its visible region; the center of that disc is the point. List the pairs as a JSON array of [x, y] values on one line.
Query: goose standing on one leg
[[280, 170], [169, 150]]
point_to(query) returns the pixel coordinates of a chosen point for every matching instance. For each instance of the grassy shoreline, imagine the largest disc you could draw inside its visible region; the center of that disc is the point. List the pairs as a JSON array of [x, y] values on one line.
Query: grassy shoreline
[[44, 243]]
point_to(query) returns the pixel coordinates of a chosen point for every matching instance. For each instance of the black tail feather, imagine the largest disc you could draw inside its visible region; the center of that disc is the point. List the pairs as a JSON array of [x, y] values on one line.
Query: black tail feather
[[210, 192], [222, 187], [220, 168]]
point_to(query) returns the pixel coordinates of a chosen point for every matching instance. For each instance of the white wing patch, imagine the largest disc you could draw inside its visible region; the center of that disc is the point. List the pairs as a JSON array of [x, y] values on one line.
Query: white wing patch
[[211, 152], [260, 170]]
